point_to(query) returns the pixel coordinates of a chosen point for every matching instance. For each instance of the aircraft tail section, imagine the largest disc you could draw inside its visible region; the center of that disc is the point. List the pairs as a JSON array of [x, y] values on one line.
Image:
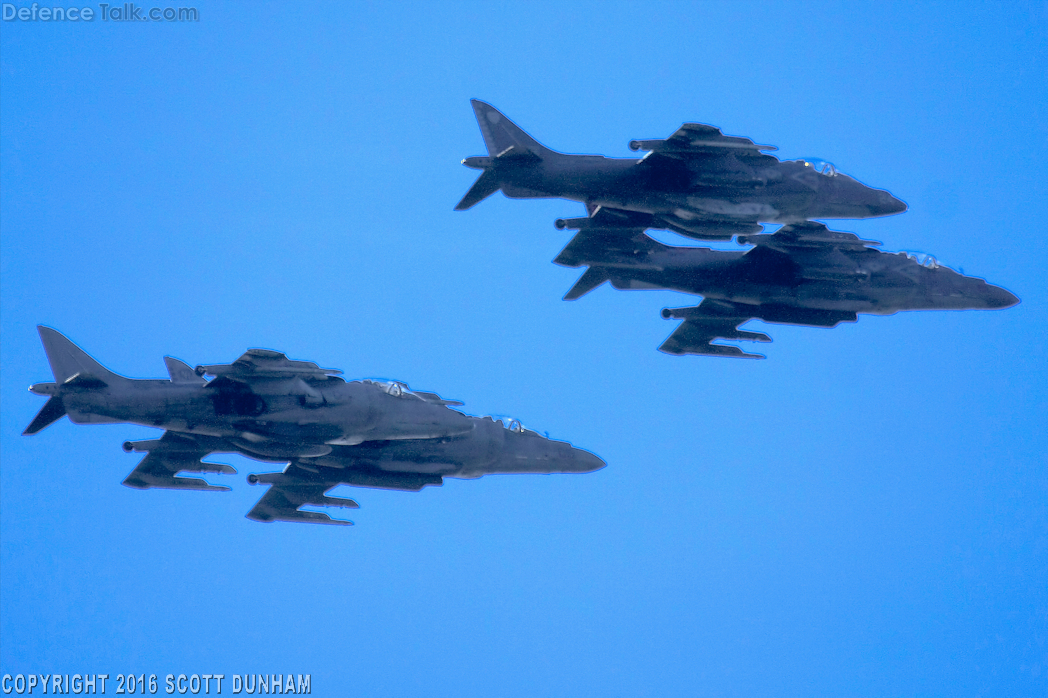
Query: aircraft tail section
[[508, 148], [501, 134], [68, 360]]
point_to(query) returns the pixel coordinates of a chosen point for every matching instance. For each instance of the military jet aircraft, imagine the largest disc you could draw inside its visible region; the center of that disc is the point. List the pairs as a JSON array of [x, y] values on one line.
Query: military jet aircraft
[[803, 274], [698, 182], [270, 408]]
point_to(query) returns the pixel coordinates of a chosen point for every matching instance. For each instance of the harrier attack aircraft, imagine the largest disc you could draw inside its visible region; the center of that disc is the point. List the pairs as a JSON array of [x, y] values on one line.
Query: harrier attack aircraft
[[803, 274], [270, 408], [698, 182]]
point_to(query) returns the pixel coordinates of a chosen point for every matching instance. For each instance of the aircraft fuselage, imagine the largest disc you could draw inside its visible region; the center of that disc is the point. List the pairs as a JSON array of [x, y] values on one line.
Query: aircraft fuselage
[[866, 281], [787, 192]]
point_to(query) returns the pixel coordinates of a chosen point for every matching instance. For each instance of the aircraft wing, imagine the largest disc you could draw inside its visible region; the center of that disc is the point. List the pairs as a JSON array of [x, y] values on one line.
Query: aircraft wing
[[616, 221], [267, 364], [302, 484], [169, 455], [616, 224], [807, 236], [692, 141], [809, 250], [611, 237], [282, 502], [716, 319], [706, 322]]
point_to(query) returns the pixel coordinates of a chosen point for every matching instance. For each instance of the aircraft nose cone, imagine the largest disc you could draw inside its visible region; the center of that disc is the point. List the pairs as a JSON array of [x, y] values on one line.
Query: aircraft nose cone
[[586, 462], [998, 297], [888, 204]]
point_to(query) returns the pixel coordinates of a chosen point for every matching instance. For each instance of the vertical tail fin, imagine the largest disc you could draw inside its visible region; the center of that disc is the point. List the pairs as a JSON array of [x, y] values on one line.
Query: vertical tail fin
[[500, 133], [67, 359]]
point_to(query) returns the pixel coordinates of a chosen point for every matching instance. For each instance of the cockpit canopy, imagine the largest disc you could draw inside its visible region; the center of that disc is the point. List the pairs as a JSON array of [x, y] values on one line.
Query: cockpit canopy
[[923, 258], [394, 388], [823, 167], [512, 424]]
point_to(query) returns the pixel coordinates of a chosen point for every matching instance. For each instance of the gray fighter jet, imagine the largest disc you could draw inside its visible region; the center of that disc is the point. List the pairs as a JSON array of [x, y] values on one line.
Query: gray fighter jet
[[698, 182], [803, 274], [270, 408]]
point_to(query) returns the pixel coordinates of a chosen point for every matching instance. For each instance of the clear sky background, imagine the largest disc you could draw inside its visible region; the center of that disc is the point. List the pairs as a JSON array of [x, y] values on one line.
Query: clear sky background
[[865, 513]]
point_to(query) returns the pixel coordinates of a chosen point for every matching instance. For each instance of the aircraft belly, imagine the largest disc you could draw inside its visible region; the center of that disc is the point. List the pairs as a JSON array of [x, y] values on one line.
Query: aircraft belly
[[89, 418], [277, 450], [415, 466], [800, 298], [834, 297], [805, 298], [186, 425], [636, 285], [698, 207]]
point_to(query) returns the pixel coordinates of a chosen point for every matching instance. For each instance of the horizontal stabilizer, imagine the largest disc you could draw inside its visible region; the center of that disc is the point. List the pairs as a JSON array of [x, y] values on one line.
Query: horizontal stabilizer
[[593, 278], [486, 185], [52, 411]]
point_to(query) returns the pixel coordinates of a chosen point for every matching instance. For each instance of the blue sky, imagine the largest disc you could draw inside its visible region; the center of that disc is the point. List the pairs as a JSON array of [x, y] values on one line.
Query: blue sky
[[863, 514]]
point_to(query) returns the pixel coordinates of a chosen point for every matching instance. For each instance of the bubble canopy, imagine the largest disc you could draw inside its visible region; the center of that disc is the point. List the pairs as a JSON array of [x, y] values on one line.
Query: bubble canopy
[[823, 167]]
